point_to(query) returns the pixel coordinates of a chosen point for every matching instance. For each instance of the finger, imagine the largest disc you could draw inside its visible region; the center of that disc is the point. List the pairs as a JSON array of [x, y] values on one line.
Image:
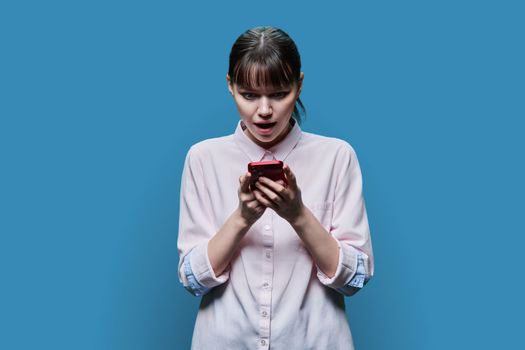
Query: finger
[[269, 192], [254, 204], [263, 199], [245, 182], [259, 206], [279, 187], [246, 197], [273, 185], [290, 176]]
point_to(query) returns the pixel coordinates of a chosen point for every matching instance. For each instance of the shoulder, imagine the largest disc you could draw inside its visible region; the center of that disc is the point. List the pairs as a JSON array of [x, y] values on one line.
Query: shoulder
[[328, 145], [206, 148]]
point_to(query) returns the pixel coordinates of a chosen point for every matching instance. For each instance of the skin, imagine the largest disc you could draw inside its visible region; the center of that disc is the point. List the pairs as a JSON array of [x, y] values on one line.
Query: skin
[[271, 105], [266, 105]]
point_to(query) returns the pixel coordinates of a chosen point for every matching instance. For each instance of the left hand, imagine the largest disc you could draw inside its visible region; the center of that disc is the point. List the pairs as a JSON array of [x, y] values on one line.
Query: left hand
[[285, 200]]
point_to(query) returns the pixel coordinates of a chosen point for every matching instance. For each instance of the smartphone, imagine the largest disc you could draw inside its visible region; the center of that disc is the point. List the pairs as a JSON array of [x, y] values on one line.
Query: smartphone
[[272, 169]]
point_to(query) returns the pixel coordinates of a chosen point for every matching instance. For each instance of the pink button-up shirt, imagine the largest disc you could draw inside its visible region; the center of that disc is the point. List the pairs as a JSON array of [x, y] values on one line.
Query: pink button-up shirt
[[272, 295]]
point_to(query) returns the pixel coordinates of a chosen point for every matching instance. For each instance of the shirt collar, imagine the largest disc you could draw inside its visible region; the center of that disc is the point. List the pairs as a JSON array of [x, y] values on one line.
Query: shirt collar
[[280, 151]]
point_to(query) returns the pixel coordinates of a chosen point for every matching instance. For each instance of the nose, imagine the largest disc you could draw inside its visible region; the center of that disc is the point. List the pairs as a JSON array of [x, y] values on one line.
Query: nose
[[264, 107]]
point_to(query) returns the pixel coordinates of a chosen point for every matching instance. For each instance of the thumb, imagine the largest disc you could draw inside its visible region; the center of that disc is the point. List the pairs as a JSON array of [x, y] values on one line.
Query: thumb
[[290, 177], [245, 182]]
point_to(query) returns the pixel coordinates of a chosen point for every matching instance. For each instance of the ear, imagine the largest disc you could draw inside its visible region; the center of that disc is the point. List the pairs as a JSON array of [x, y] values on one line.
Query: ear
[[301, 77], [230, 87]]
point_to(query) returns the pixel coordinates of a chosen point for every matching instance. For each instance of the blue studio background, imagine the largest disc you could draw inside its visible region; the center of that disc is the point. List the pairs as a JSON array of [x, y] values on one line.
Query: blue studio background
[[100, 100]]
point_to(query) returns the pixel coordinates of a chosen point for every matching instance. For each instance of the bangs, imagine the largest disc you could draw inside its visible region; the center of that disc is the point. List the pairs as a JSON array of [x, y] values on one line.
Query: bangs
[[256, 72]]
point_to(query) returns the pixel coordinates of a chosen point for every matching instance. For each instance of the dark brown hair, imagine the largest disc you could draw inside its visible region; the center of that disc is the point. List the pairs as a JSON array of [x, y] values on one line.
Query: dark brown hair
[[266, 56]]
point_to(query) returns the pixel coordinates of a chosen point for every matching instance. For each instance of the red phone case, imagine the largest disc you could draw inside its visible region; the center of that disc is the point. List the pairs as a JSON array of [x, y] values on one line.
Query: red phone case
[[272, 169]]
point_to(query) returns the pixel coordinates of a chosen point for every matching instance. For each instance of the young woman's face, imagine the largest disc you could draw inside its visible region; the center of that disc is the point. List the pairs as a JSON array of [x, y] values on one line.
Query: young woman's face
[[266, 112]]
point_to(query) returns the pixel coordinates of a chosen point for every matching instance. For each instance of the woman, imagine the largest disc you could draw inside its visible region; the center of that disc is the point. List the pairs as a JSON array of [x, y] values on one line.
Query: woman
[[272, 262]]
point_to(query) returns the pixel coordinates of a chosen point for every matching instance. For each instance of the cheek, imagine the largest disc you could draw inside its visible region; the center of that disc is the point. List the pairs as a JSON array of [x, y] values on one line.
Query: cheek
[[249, 109], [244, 108], [286, 106]]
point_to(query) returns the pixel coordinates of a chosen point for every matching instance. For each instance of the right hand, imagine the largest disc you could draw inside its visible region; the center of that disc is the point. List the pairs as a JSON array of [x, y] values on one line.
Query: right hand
[[249, 207]]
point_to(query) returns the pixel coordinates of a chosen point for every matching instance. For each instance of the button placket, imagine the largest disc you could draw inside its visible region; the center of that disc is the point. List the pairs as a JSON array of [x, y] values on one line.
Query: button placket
[[266, 282]]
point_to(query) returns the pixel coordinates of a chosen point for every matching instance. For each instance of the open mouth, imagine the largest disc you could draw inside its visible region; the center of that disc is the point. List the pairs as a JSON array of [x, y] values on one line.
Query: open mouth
[[265, 125]]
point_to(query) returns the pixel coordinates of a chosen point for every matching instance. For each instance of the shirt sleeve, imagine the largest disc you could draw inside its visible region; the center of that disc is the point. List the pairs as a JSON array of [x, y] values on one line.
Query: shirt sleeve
[[350, 228], [195, 230], [359, 280], [193, 286]]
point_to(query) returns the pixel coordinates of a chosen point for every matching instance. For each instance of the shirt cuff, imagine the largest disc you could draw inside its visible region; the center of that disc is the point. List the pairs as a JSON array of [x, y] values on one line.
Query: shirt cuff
[[202, 270], [192, 285], [359, 278], [351, 267]]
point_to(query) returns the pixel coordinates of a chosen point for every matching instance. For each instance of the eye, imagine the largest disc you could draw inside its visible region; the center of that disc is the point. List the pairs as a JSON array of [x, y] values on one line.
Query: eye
[[248, 96], [251, 96], [280, 95]]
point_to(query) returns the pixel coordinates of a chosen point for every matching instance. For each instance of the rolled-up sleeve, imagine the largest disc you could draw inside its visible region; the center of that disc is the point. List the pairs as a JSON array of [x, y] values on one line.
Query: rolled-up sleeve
[[192, 285], [350, 228], [195, 230]]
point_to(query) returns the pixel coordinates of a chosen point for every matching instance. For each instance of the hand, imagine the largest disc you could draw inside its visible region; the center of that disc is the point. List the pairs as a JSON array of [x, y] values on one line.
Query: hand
[[284, 199], [249, 207]]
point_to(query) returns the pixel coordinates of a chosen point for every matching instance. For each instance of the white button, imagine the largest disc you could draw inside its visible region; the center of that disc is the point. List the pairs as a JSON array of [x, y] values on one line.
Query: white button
[[263, 342], [264, 313], [268, 254], [266, 284], [267, 227]]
